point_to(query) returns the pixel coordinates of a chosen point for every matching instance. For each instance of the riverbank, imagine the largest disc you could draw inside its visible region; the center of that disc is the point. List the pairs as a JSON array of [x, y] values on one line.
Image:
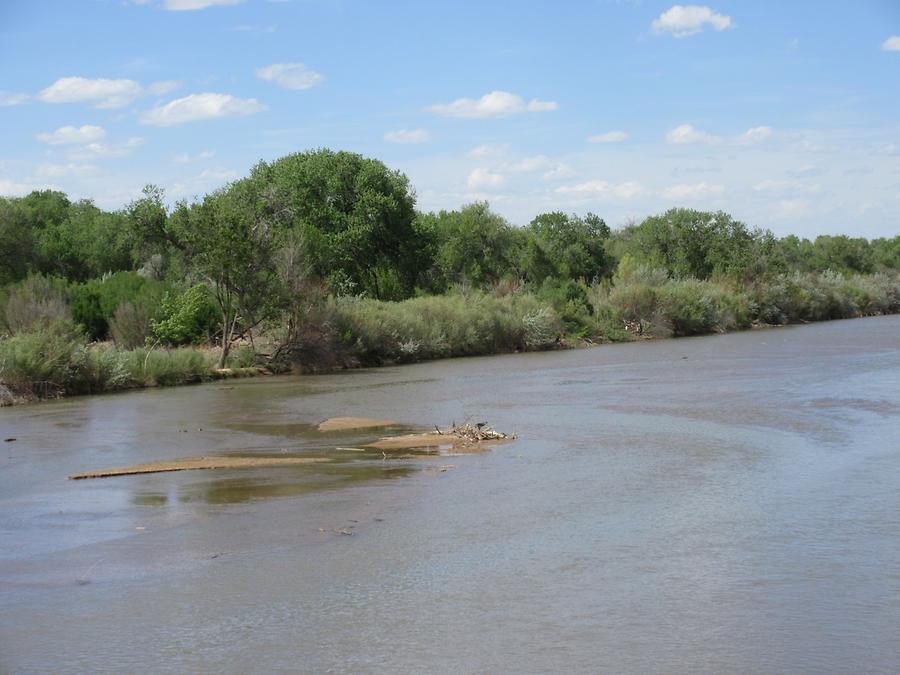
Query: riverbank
[[51, 359]]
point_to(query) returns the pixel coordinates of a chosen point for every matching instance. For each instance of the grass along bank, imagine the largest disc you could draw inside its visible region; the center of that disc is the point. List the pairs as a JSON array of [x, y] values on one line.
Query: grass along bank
[[51, 356]]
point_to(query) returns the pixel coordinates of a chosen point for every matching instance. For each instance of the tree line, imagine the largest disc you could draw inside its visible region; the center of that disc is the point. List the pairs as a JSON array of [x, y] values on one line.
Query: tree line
[[249, 256]]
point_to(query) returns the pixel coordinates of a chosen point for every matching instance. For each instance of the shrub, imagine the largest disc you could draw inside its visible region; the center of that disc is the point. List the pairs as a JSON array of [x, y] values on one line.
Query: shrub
[[438, 326], [44, 361], [84, 304], [185, 318], [130, 326], [36, 301]]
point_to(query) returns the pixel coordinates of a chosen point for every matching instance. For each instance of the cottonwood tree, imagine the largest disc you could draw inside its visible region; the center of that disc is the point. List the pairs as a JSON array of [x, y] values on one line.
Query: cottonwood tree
[[230, 239]]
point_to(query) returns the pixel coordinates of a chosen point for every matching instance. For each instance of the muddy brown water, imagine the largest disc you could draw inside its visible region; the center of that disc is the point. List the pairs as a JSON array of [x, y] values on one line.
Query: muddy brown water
[[707, 505]]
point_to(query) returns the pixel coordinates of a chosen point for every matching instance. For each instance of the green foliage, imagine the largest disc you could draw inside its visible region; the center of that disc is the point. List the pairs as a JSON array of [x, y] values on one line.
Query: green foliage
[[688, 243], [356, 216], [94, 303], [42, 361], [185, 318], [566, 247], [692, 307], [440, 326], [473, 245], [18, 249], [570, 301], [84, 304], [242, 357]]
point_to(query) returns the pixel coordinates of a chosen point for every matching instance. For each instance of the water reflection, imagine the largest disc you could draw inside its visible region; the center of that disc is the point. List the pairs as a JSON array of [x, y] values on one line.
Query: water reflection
[[242, 486]]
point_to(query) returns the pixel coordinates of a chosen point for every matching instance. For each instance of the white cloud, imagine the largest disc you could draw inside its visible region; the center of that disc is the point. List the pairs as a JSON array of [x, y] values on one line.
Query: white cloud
[[782, 186], [72, 135], [290, 75], [754, 135], [558, 172], [200, 107], [609, 137], [487, 150], [788, 209], [12, 98], [496, 104], [695, 191], [9, 188], [529, 164], [687, 134], [106, 150], [64, 170], [206, 180], [103, 93], [684, 20], [188, 5], [186, 158], [164, 87], [892, 44], [484, 178], [626, 190], [411, 136], [806, 171]]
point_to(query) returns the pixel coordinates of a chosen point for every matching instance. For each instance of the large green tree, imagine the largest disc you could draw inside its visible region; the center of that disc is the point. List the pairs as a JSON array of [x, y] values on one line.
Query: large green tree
[[355, 216], [473, 244], [567, 247], [699, 244], [230, 240]]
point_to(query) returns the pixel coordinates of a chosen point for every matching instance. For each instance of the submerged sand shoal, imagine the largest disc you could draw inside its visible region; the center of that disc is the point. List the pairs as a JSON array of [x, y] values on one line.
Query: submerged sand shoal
[[347, 423], [192, 463]]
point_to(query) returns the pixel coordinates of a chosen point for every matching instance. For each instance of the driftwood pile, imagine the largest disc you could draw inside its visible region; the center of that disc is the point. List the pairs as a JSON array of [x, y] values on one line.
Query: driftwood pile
[[472, 434]]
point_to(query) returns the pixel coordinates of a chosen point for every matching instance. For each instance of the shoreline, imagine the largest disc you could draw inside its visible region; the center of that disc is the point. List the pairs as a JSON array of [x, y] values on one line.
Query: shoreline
[[9, 399]]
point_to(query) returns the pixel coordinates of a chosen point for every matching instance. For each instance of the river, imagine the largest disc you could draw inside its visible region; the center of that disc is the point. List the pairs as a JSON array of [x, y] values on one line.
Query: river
[[704, 505]]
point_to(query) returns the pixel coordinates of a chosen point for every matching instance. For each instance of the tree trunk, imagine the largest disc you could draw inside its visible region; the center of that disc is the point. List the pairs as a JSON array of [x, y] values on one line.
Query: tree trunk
[[227, 326]]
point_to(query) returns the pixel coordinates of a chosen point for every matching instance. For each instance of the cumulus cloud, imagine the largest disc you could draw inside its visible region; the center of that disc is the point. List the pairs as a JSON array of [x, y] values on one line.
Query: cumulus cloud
[[105, 150], [102, 92], [164, 87], [687, 134], [609, 137], [693, 191], [754, 135], [9, 188], [787, 186], [186, 158], [685, 20], [200, 107], [206, 180], [12, 98], [69, 135], [559, 171], [495, 104], [487, 150], [190, 5], [892, 44], [410, 136], [290, 75], [625, 190], [484, 178], [529, 164], [64, 170]]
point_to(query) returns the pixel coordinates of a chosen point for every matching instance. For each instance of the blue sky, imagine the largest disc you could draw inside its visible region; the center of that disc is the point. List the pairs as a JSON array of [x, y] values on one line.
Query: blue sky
[[784, 114]]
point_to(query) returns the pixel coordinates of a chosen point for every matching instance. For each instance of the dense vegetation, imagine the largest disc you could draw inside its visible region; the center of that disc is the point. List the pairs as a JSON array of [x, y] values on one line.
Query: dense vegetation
[[320, 260]]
